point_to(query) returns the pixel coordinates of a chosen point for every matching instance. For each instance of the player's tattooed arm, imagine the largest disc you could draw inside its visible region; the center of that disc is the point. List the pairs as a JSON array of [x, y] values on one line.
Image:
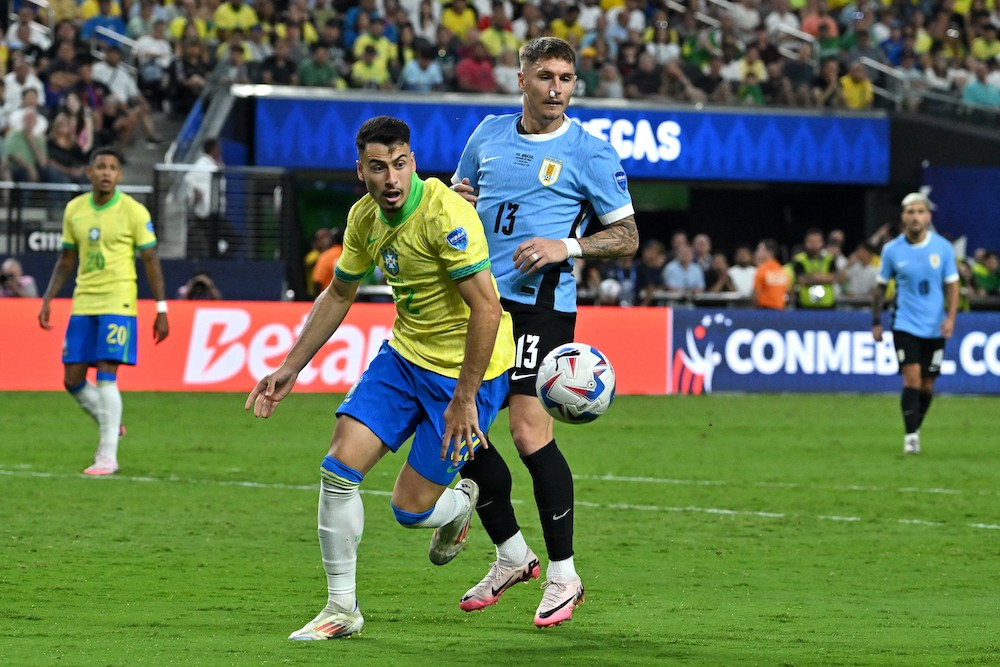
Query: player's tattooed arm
[[619, 239]]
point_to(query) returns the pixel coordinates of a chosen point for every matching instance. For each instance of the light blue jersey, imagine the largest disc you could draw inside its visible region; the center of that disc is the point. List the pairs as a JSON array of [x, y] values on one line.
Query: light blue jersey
[[547, 185], [920, 271]]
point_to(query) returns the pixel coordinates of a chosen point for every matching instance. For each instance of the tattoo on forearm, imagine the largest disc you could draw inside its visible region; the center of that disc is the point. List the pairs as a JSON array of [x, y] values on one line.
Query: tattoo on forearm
[[620, 239]]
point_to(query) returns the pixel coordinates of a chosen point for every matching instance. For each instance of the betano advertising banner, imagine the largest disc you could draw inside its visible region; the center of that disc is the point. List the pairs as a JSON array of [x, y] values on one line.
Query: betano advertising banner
[[319, 132], [229, 345], [828, 351]]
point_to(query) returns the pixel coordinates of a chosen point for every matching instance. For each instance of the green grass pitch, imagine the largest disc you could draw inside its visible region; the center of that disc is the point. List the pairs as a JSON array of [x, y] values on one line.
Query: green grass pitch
[[715, 530]]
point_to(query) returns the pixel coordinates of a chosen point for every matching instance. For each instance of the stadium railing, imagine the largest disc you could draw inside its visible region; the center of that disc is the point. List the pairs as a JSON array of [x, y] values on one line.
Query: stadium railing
[[251, 213], [899, 88]]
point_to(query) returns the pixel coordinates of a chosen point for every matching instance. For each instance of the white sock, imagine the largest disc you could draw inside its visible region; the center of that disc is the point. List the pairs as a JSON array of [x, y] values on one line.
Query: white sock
[[89, 400], [513, 550], [109, 419], [561, 568], [451, 504], [341, 523]]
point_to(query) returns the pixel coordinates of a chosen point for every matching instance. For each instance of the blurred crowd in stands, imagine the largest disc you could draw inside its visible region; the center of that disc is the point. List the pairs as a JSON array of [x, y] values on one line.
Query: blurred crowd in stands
[[818, 273], [79, 75], [100, 67]]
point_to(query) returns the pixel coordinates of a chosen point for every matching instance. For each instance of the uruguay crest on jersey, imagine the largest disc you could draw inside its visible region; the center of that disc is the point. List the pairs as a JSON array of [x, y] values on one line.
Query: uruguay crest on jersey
[[549, 173]]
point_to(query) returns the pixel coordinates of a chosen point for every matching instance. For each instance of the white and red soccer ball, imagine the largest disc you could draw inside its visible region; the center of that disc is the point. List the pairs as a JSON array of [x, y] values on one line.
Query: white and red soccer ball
[[575, 383]]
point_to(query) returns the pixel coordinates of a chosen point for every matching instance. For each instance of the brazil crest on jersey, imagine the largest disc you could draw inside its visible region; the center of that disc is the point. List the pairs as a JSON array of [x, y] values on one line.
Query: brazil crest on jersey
[[921, 271], [435, 240], [106, 238], [547, 185]]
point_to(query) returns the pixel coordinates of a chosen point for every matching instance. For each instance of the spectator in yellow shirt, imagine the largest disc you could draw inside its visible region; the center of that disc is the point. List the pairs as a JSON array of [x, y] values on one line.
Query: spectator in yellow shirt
[[88, 9], [459, 18], [234, 14], [568, 27], [986, 46], [188, 14], [858, 93], [495, 32], [372, 33], [368, 72]]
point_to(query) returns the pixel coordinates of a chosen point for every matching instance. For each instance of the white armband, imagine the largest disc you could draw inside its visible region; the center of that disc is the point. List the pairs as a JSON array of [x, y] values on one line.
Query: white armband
[[161, 307], [573, 248]]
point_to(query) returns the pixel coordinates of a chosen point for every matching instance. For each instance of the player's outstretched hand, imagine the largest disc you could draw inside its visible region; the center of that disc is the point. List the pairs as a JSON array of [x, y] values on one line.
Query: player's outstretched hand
[[461, 430], [536, 253], [161, 329], [43, 316], [466, 190], [947, 328], [269, 391]]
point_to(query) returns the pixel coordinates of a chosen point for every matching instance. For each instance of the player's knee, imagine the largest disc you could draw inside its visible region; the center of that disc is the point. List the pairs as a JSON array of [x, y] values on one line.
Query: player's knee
[[74, 385], [528, 440], [410, 519]]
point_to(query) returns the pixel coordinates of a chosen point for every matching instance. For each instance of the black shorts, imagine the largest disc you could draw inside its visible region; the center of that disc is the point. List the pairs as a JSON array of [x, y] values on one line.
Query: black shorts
[[928, 352], [537, 331]]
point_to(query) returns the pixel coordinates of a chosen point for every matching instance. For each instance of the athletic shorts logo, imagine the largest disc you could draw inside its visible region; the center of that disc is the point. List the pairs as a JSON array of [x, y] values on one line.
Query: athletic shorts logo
[[621, 180], [458, 239], [515, 376], [549, 173]]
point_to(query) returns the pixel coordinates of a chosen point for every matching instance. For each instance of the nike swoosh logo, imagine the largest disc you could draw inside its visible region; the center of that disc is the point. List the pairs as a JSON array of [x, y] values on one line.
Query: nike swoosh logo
[[488, 159], [521, 376], [505, 585], [556, 517], [371, 240], [546, 614]]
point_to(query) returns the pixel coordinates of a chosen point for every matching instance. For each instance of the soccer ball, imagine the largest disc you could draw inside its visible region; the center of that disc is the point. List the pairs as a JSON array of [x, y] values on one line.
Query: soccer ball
[[575, 383]]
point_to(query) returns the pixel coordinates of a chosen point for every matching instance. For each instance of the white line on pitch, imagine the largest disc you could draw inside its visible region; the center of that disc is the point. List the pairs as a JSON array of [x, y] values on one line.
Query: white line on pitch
[[24, 471], [774, 485]]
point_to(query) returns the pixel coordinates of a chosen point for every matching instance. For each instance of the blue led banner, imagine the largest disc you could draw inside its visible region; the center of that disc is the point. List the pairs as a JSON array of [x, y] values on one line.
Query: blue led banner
[[968, 204], [829, 351], [653, 144]]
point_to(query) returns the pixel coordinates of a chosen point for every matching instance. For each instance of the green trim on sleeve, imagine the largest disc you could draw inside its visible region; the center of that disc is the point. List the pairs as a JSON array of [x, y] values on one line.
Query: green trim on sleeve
[[66, 245], [149, 245], [466, 271], [349, 277]]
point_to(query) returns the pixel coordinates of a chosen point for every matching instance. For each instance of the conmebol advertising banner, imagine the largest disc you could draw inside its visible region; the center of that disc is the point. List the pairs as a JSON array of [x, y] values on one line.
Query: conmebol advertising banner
[[827, 351], [715, 145]]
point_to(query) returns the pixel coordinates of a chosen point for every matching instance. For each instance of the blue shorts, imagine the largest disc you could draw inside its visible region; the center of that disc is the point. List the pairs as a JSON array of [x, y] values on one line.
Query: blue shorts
[[93, 338], [396, 399]]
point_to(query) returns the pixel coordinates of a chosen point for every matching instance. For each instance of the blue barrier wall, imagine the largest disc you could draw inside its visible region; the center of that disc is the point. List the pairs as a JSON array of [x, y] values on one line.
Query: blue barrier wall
[[832, 351], [653, 143]]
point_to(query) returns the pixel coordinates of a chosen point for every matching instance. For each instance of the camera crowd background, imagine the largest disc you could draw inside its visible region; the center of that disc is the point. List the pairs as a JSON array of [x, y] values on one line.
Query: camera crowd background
[[80, 75]]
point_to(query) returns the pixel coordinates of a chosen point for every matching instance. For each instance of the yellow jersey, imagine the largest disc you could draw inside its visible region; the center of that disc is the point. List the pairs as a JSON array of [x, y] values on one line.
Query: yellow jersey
[[434, 241], [106, 238]]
